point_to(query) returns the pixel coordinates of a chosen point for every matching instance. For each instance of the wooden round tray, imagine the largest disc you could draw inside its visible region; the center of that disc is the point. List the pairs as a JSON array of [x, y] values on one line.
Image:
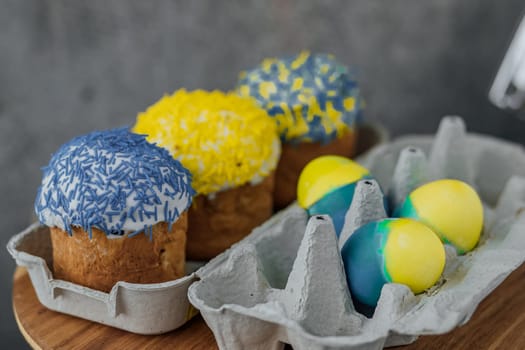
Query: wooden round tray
[[46, 329], [498, 323]]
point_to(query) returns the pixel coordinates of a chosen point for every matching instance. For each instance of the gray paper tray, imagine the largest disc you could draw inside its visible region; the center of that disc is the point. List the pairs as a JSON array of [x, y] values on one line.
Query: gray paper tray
[[140, 308], [285, 282]]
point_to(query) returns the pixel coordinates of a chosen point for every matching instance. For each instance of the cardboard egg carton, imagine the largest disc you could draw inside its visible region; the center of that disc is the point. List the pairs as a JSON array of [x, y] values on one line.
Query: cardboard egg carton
[[285, 282], [138, 308]]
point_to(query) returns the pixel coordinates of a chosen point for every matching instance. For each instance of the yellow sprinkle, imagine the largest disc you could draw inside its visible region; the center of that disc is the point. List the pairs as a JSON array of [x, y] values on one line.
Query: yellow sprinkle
[[331, 93], [223, 139], [254, 77], [308, 91], [303, 98], [314, 110], [301, 126], [324, 68], [319, 82], [349, 103], [301, 58], [267, 64], [284, 73], [244, 90], [286, 110], [332, 113], [297, 84], [266, 88], [283, 122]]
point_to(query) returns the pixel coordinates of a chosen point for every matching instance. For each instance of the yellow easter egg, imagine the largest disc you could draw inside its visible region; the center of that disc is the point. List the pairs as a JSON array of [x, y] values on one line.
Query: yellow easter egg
[[451, 208], [414, 255], [391, 250], [325, 174]]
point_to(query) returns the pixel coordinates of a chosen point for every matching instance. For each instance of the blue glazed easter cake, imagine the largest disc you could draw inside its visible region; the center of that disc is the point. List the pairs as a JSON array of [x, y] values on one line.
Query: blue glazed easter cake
[[116, 206]]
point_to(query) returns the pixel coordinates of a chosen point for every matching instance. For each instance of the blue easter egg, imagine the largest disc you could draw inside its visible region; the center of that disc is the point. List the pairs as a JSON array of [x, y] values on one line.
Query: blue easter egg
[[326, 186], [391, 251]]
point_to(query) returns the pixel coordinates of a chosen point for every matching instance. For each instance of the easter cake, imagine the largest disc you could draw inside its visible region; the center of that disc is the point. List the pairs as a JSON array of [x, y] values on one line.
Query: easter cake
[[315, 102], [116, 207], [231, 147]]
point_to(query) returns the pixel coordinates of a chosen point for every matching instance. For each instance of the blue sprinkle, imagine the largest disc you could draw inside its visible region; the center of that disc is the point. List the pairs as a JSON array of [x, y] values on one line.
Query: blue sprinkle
[[91, 178], [131, 212], [166, 210], [136, 232]]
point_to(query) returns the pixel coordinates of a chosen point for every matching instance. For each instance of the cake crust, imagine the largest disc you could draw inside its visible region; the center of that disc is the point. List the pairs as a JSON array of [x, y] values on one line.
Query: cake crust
[[217, 223], [100, 262], [295, 157]]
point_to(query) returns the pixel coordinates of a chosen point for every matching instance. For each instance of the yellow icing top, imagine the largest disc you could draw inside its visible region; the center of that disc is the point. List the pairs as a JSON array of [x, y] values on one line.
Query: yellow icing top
[[223, 139], [414, 254]]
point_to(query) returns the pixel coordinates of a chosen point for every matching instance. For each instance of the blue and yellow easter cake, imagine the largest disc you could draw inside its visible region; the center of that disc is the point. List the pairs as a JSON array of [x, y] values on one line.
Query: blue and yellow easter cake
[[315, 102]]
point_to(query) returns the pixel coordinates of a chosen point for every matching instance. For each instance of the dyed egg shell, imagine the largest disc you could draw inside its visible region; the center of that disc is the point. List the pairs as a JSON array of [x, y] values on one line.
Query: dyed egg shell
[[391, 250], [326, 186], [451, 208]]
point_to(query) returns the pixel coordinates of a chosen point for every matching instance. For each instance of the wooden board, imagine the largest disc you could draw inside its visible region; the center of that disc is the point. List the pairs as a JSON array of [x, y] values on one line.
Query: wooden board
[[46, 329], [498, 323]]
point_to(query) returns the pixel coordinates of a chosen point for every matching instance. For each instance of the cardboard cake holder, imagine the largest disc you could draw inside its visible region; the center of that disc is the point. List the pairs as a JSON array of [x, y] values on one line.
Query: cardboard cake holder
[[285, 283]]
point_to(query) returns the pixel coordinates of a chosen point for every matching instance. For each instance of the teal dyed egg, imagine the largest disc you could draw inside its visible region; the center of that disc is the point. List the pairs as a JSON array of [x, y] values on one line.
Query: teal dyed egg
[[451, 208], [326, 186], [391, 251]]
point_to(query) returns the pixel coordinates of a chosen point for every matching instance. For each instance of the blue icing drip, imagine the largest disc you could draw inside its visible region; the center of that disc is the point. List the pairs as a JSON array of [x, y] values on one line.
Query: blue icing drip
[[108, 170], [327, 80]]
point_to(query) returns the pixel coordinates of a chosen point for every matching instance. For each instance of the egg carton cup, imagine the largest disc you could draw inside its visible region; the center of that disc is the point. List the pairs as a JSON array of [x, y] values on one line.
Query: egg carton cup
[[285, 282], [139, 308]]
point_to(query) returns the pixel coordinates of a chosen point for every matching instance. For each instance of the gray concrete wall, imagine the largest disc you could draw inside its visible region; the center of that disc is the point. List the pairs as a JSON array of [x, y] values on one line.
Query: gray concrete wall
[[68, 67]]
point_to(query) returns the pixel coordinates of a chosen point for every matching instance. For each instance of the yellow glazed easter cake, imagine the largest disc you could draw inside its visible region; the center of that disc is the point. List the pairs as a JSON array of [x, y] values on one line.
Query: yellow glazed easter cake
[[231, 147]]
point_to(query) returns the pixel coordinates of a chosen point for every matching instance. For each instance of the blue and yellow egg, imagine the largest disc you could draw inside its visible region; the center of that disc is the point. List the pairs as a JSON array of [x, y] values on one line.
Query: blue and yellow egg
[[401, 251], [326, 186], [451, 208]]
